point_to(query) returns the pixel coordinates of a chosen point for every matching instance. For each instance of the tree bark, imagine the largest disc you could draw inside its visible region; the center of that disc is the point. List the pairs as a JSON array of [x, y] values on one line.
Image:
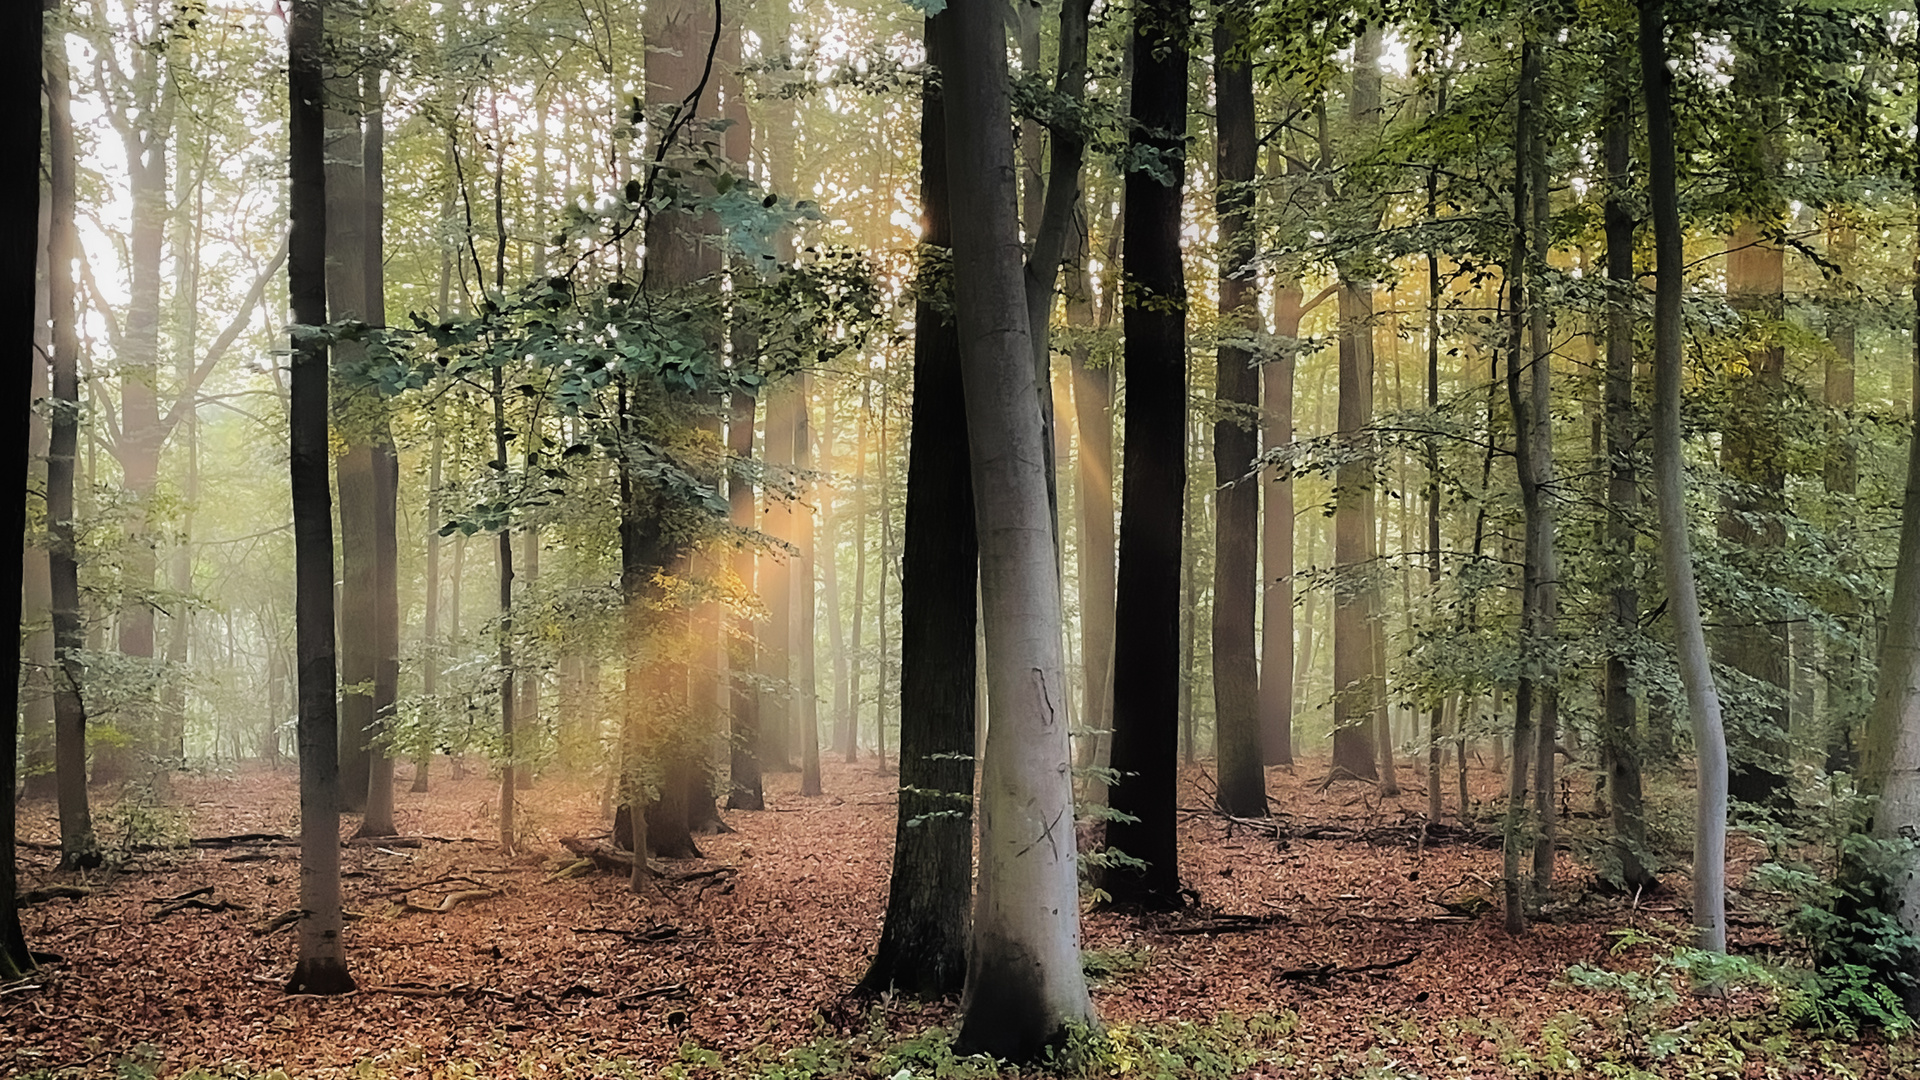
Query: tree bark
[[322, 967], [1676, 556], [20, 183], [1024, 980], [1890, 751], [354, 415], [806, 685], [1356, 589], [1618, 735], [1146, 685], [78, 847], [1236, 678], [776, 588], [923, 943], [744, 790]]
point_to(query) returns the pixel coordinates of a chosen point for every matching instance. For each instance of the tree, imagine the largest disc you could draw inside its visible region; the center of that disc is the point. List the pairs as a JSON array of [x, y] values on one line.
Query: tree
[[1356, 589], [1146, 679], [1890, 752], [23, 26], [1618, 736], [1024, 981], [322, 967], [78, 848], [923, 943], [1236, 677], [1676, 556]]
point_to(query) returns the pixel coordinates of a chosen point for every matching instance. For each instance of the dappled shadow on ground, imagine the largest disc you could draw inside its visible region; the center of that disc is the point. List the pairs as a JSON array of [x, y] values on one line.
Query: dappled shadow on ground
[[1377, 953]]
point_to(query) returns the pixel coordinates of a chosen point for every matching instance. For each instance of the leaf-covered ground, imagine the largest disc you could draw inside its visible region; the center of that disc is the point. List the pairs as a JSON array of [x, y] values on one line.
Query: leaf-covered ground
[[1372, 954]]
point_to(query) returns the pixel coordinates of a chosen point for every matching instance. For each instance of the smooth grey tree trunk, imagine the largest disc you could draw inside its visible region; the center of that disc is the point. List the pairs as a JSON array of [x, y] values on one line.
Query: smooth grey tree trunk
[[1676, 554], [1024, 980]]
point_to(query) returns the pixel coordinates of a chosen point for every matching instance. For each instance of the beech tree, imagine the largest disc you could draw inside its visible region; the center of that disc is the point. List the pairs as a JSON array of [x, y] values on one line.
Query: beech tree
[[1146, 680], [322, 968], [78, 846], [20, 182], [923, 942], [1024, 981], [1676, 554], [1236, 678]]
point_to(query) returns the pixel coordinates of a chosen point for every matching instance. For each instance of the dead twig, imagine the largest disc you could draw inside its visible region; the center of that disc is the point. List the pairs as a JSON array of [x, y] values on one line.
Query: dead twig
[[1325, 973], [453, 900], [671, 990], [52, 892]]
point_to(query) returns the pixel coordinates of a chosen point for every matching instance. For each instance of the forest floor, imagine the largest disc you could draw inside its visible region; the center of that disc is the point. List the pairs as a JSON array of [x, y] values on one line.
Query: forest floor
[[1357, 955]]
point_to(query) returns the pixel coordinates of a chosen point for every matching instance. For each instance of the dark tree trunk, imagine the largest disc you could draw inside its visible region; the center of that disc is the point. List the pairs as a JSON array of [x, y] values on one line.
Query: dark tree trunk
[[1147, 595], [1356, 591], [1236, 441], [1618, 737], [1753, 640], [923, 944], [322, 967], [78, 847], [21, 186]]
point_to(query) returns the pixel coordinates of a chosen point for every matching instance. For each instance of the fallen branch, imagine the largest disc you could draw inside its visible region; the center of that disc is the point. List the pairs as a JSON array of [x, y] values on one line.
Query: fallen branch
[[453, 900], [646, 935], [444, 879], [1227, 924], [204, 890], [604, 855], [52, 892], [196, 904], [1325, 973], [674, 990]]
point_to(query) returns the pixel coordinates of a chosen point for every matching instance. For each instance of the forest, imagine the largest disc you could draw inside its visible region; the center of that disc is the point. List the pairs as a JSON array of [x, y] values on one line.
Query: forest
[[961, 538]]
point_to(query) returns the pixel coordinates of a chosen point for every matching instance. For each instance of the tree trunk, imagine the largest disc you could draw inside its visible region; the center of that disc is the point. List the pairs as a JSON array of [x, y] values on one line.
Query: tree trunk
[[806, 686], [356, 471], [37, 679], [1541, 518], [322, 967], [842, 717], [22, 25], [1520, 826], [776, 588], [1618, 737], [1676, 556], [1024, 979], [386, 479], [1356, 591], [1146, 685], [882, 470], [859, 565], [923, 943], [1753, 641], [744, 790], [78, 846], [1277, 694], [743, 757], [1093, 472], [1890, 751], [1236, 678], [430, 623]]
